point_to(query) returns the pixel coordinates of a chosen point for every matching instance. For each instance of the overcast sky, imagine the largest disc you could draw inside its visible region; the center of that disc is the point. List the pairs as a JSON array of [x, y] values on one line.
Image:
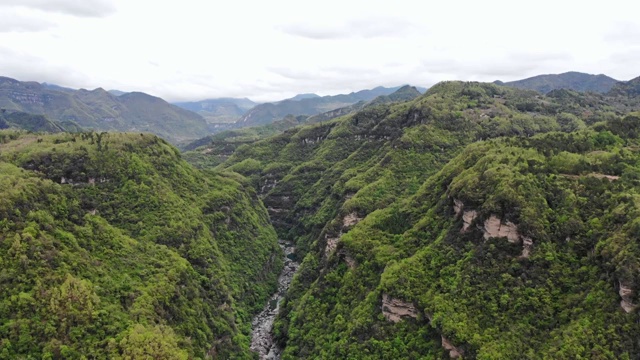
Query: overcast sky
[[269, 50]]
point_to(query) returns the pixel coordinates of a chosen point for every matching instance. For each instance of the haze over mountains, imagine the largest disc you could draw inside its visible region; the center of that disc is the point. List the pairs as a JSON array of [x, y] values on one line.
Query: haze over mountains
[[116, 110], [473, 221], [99, 110], [570, 80]]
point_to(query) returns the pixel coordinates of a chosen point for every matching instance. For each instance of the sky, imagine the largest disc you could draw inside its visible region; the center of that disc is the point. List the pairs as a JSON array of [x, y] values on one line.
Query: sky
[[270, 50]]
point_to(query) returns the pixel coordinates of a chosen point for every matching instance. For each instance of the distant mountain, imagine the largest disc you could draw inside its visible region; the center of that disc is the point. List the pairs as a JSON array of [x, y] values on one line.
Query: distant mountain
[[627, 88], [57, 87], [405, 93], [570, 80], [269, 112], [222, 110], [25, 121], [304, 96], [99, 110], [214, 149], [117, 92]]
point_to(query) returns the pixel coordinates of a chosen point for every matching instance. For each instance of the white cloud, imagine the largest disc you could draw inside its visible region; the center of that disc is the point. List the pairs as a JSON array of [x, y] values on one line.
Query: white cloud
[[13, 21], [268, 50], [88, 8], [365, 28]]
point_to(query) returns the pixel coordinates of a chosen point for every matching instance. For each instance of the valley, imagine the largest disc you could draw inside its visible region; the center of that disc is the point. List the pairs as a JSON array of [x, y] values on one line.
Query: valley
[[473, 221]]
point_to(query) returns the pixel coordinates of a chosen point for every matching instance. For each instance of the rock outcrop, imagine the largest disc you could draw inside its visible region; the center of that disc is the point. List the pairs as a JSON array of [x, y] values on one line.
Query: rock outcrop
[[626, 293], [332, 240], [350, 220], [493, 227], [457, 206], [332, 244], [467, 218], [454, 352], [395, 310]]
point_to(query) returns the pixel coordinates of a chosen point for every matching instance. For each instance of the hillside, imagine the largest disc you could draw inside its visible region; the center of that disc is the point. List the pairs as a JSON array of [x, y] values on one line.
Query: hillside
[[214, 149], [475, 221], [99, 110], [269, 112], [113, 247], [221, 110], [19, 120], [570, 80], [629, 88]]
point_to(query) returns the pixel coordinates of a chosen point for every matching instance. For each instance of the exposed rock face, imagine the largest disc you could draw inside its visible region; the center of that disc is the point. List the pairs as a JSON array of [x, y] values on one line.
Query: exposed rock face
[[467, 218], [454, 352], [493, 227], [527, 244], [332, 243], [626, 293], [457, 206], [268, 185], [395, 309], [351, 263], [350, 220]]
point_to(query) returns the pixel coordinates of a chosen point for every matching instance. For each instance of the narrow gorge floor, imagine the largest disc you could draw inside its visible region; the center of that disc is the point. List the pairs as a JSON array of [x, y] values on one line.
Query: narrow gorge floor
[[262, 338]]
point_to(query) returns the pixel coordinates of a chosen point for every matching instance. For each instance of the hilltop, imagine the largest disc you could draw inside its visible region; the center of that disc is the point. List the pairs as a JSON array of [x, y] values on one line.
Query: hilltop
[[475, 220], [307, 105], [570, 80], [99, 110], [114, 247]]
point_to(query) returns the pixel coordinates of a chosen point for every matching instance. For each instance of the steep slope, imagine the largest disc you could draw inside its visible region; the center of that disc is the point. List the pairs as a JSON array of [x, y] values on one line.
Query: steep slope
[[100, 110], [627, 88], [29, 122], [220, 110], [214, 149], [113, 247], [570, 80], [267, 113], [425, 235]]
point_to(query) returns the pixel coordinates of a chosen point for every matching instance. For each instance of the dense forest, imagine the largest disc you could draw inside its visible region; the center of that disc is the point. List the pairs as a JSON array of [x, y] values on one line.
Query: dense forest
[[111, 247], [474, 221]]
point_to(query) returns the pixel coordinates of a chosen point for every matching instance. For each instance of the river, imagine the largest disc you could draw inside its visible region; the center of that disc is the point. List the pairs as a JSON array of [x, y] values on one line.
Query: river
[[261, 337]]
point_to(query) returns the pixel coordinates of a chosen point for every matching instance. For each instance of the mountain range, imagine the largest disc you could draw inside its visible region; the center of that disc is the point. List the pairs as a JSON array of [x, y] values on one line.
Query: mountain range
[[570, 80], [474, 221], [221, 110], [99, 110], [307, 104]]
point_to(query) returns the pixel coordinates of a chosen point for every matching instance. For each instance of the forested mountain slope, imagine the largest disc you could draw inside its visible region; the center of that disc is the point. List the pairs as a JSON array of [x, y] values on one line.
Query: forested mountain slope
[[476, 221], [269, 112], [99, 110], [111, 247], [571, 80], [214, 149]]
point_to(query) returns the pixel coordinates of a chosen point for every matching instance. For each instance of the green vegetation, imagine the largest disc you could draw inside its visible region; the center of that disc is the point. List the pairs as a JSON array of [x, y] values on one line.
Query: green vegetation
[[99, 110], [570, 80], [474, 221], [377, 201], [269, 112], [213, 150], [35, 123], [111, 247]]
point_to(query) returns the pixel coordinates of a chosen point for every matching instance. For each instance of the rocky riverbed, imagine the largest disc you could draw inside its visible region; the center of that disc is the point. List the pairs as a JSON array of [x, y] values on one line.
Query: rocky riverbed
[[262, 338]]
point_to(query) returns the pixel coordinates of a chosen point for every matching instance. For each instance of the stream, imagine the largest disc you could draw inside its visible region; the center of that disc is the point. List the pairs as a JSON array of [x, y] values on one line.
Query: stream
[[261, 337]]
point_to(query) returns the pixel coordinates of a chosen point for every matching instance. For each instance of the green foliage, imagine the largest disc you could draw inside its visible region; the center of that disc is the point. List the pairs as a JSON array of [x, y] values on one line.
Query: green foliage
[[111, 246], [382, 184]]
